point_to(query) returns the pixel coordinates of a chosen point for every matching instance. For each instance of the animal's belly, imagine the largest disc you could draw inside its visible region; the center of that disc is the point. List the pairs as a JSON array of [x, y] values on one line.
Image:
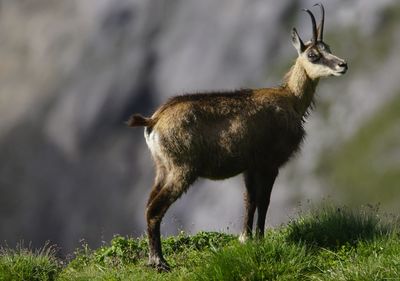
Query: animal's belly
[[219, 171], [261, 158]]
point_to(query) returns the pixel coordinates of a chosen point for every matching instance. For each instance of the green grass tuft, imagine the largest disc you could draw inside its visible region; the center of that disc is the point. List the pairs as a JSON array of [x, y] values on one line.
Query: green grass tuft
[[270, 259], [25, 264], [334, 227]]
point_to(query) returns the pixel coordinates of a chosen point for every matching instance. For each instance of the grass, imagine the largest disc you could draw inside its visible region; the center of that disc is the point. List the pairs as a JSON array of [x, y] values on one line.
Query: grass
[[324, 244], [25, 264]]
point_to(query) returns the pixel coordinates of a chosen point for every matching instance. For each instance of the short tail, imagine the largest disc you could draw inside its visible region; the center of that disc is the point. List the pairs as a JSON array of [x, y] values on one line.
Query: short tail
[[137, 120]]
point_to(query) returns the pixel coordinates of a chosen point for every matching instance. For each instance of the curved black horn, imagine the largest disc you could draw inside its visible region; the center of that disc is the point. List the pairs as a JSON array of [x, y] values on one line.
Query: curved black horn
[[321, 25], [314, 26]]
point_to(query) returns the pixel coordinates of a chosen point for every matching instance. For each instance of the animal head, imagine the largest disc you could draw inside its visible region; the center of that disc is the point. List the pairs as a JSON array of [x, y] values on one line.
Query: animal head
[[315, 55]]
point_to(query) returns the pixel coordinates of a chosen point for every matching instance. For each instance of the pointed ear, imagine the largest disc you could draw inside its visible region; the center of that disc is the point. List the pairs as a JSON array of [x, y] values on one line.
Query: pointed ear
[[297, 42]]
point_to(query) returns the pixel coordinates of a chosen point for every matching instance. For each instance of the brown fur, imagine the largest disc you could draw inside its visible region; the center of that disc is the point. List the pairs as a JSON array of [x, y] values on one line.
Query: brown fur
[[219, 135]]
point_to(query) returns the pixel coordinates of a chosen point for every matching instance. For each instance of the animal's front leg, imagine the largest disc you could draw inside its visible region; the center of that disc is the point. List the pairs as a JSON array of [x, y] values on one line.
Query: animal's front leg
[[264, 182], [250, 207]]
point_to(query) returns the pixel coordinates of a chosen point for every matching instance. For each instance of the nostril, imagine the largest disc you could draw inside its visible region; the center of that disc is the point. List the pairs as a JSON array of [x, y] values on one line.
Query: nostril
[[343, 64]]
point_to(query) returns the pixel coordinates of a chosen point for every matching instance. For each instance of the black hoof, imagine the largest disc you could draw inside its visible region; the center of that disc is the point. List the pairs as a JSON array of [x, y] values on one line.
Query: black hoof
[[163, 267], [160, 265]]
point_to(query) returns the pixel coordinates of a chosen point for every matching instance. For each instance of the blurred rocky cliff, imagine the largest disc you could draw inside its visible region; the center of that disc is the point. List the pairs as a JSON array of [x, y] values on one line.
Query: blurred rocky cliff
[[71, 72]]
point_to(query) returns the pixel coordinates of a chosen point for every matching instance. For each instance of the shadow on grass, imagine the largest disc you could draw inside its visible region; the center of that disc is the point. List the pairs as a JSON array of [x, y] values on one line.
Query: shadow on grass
[[333, 227]]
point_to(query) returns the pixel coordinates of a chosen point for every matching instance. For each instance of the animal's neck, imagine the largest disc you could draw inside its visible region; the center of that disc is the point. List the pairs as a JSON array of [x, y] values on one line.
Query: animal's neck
[[301, 86]]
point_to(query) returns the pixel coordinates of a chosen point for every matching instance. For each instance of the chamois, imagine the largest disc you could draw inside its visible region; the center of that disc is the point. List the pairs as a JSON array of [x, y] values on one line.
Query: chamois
[[222, 134]]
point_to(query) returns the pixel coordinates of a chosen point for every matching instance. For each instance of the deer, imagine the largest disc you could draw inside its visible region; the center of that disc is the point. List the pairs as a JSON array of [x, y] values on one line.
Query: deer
[[218, 135]]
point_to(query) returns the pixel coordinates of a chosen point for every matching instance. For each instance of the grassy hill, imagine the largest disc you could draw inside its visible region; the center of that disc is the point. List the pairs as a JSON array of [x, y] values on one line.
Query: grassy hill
[[329, 244]]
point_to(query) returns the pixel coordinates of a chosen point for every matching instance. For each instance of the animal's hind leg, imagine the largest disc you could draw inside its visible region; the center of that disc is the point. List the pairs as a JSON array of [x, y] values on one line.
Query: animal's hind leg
[[250, 207], [175, 184], [264, 182], [159, 182]]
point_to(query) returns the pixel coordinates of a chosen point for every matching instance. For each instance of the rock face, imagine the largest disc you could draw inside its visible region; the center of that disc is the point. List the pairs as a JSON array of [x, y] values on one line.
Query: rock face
[[72, 72]]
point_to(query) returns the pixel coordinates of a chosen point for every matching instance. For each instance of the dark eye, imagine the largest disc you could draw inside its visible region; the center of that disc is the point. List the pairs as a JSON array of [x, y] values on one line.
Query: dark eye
[[313, 56]]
